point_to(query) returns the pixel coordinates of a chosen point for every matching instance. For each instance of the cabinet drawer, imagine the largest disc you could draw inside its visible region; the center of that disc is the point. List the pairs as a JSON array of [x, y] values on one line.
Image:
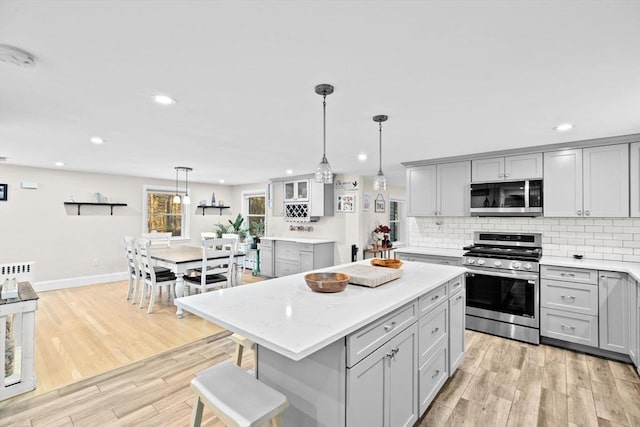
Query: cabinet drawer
[[431, 377], [566, 326], [432, 332], [575, 297], [287, 251], [305, 247], [364, 341], [266, 243], [569, 274], [455, 285], [433, 298], [286, 268]]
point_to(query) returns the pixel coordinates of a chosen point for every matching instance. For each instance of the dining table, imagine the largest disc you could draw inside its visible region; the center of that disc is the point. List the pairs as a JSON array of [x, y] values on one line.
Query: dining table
[[180, 259]]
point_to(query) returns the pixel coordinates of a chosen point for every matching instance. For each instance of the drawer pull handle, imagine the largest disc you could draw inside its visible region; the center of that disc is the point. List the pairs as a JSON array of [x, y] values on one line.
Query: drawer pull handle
[[435, 330], [387, 328], [436, 373], [568, 274], [393, 352], [572, 328], [455, 285], [435, 297], [569, 298], [459, 297]]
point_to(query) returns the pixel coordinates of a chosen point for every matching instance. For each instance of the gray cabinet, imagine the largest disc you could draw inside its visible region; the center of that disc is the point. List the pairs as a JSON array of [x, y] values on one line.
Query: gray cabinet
[[297, 191], [614, 314], [524, 166], [456, 326], [589, 182], [266, 257], [439, 190], [293, 257], [382, 388], [634, 182], [632, 303], [276, 199], [431, 259]]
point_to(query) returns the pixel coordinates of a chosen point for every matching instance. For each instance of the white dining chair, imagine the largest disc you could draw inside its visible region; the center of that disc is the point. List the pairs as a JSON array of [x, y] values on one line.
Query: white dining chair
[[152, 279], [133, 270], [217, 266], [237, 270], [158, 239]]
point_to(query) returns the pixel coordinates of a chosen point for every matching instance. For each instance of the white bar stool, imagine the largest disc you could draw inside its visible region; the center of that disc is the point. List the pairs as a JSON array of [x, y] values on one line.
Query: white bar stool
[[242, 342], [237, 399]]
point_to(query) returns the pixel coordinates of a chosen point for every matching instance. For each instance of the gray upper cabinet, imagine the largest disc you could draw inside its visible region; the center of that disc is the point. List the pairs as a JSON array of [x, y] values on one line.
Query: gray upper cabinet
[[276, 199], [589, 182], [634, 171], [508, 168], [296, 190], [439, 190]]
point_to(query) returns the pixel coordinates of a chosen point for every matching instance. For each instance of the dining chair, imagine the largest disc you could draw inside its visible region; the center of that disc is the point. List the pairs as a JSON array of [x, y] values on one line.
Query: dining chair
[[152, 280], [237, 272], [217, 266], [158, 240], [133, 272]]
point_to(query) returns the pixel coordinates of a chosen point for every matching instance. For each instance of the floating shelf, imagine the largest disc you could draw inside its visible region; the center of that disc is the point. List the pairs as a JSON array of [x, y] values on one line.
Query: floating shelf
[[78, 204], [205, 207]]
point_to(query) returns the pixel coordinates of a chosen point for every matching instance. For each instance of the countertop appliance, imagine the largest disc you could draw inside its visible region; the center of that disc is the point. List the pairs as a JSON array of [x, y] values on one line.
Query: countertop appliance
[[503, 284], [507, 198]]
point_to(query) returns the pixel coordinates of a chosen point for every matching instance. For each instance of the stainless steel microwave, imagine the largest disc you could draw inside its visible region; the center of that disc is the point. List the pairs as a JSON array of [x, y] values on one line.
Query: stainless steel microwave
[[507, 198]]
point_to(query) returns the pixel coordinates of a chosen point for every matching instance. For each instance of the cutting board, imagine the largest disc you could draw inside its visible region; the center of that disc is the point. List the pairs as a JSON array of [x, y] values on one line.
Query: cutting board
[[368, 275]]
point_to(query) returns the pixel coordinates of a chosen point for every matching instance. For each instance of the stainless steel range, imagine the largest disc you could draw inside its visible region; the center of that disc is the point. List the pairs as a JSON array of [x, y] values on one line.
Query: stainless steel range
[[503, 284]]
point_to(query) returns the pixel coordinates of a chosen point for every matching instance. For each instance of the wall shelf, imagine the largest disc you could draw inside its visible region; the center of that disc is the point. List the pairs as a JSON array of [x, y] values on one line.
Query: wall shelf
[[205, 207], [78, 204]]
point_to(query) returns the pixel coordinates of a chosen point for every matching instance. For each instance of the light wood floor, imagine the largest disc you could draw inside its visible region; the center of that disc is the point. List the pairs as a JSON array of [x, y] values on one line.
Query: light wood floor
[[500, 382]]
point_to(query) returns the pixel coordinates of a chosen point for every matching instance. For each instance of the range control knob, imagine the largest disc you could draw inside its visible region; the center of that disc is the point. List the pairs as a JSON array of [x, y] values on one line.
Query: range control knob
[[498, 263], [480, 262], [471, 260], [515, 265], [527, 266]]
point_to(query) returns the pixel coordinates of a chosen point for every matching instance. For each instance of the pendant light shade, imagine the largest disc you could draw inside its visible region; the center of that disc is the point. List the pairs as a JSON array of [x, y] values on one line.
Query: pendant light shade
[[324, 174], [380, 183], [185, 199]]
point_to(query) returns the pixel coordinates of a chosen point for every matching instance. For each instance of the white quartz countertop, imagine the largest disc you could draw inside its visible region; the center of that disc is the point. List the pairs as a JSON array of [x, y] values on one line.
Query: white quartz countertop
[[632, 268], [287, 317], [299, 240], [419, 250]]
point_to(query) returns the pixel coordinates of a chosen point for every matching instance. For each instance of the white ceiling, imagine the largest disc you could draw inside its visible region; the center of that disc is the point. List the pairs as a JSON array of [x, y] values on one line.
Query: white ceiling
[[455, 77]]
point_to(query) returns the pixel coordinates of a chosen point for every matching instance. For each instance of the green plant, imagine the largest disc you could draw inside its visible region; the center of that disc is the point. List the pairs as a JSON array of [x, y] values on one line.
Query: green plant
[[237, 223], [222, 229], [258, 228]]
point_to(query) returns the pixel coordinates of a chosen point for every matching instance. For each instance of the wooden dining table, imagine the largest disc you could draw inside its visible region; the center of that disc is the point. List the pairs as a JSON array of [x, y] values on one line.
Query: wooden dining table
[[179, 259]]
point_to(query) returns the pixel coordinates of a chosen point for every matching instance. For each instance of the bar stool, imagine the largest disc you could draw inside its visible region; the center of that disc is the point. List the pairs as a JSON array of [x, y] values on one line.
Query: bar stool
[[237, 399], [242, 342]]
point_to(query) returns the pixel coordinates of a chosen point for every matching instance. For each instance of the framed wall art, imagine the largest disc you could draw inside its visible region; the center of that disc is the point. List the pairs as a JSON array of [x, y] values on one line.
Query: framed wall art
[[346, 203], [366, 202], [380, 205], [3, 192]]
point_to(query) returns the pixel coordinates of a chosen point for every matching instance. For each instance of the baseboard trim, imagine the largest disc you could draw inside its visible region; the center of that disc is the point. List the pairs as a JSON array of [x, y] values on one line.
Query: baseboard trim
[[74, 282]]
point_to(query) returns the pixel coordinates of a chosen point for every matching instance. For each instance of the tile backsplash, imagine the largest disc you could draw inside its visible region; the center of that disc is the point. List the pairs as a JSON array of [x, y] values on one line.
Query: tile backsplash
[[596, 238]]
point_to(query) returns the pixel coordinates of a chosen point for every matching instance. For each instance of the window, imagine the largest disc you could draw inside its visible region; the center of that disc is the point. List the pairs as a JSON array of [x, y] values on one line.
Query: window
[[162, 215], [396, 215], [254, 212]]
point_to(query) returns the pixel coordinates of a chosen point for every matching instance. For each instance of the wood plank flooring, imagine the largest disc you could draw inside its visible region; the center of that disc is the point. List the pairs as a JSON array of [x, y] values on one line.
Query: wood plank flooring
[[500, 383]]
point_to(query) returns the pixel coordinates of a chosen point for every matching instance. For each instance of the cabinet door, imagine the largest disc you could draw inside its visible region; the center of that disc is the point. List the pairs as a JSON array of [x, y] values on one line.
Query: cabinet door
[[525, 166], [266, 261], [632, 300], [367, 399], [563, 183], [487, 169], [302, 190], [453, 189], [456, 331], [606, 181], [306, 261], [276, 192], [614, 317], [289, 191], [403, 379], [421, 189], [634, 171]]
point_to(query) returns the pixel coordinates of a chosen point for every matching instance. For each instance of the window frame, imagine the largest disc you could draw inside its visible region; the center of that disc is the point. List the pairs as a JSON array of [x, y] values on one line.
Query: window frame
[[186, 213], [401, 222], [246, 195]]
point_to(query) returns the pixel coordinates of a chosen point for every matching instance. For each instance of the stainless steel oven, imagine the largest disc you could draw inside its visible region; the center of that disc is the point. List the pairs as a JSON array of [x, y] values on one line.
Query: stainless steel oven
[[503, 285]]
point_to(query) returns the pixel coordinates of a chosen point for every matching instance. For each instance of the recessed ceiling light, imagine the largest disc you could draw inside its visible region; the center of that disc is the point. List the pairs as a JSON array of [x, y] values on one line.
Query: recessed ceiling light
[[222, 181], [564, 127], [362, 157], [289, 171], [59, 164], [164, 99], [97, 140]]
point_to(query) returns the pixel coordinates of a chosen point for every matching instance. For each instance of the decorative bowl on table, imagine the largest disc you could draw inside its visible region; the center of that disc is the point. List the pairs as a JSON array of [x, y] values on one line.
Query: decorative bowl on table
[[391, 262], [327, 282]]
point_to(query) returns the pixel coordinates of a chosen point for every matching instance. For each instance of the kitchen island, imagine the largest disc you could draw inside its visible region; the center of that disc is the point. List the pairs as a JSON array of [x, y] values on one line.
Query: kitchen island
[[318, 348]]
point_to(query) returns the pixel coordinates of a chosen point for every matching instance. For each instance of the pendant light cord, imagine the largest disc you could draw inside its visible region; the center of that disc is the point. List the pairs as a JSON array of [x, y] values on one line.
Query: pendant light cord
[[324, 127], [380, 124], [176, 181]]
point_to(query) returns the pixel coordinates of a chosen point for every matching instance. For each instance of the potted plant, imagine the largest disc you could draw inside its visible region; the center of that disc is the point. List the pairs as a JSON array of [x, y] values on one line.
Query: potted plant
[[222, 229]]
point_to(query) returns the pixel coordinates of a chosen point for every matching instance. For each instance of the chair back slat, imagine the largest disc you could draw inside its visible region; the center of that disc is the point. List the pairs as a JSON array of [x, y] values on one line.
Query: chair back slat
[[158, 239]]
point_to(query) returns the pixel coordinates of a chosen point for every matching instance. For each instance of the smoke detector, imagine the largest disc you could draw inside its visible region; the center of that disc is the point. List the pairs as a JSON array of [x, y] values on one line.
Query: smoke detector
[[15, 56]]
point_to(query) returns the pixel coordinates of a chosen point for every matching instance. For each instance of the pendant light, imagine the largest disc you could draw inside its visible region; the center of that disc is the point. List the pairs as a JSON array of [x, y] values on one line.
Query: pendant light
[[380, 183], [323, 171], [176, 198]]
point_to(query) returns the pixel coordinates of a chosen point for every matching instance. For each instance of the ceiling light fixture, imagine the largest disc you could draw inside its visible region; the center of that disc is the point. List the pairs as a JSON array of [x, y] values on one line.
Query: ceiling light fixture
[[289, 172], [323, 171], [185, 199], [164, 100], [97, 140], [380, 183], [362, 157], [563, 127], [59, 164], [222, 181]]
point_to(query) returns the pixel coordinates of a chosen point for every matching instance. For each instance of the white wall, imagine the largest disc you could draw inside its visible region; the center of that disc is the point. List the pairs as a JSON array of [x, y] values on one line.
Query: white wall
[[597, 238], [36, 226]]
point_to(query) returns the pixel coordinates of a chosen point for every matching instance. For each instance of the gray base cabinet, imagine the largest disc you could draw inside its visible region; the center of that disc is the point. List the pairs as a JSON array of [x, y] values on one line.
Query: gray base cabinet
[[266, 257], [457, 318], [633, 307], [430, 259], [614, 315]]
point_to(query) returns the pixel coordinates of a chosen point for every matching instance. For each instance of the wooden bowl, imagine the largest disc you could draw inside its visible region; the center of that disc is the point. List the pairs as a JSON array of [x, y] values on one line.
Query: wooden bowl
[[327, 282], [391, 262]]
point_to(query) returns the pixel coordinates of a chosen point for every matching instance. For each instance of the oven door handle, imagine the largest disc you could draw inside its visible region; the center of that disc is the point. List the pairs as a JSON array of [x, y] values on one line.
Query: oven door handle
[[515, 275]]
